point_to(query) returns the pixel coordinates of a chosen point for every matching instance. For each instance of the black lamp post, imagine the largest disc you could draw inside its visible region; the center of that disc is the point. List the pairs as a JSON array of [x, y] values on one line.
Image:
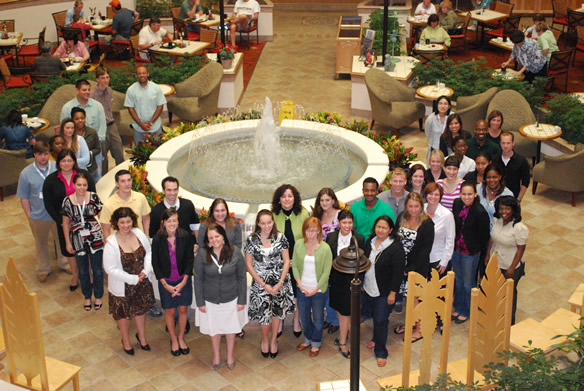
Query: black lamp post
[[385, 28], [352, 261], [222, 22]]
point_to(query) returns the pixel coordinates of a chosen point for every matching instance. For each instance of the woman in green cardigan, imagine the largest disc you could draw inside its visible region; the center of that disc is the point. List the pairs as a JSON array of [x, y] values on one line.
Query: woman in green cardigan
[[289, 215], [312, 262]]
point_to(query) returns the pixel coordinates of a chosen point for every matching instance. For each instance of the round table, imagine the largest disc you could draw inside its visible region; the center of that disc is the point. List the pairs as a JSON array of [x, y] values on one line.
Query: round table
[[167, 89], [510, 74], [432, 92], [433, 47], [46, 123], [540, 133]]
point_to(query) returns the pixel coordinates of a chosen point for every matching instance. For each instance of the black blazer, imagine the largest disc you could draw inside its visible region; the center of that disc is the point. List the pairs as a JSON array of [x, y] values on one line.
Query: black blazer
[[184, 254], [419, 256], [54, 193], [477, 226], [389, 268], [332, 240]]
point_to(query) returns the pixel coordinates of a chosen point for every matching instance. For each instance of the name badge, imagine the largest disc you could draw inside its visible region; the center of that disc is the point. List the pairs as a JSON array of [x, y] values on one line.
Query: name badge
[[41, 195], [85, 232]]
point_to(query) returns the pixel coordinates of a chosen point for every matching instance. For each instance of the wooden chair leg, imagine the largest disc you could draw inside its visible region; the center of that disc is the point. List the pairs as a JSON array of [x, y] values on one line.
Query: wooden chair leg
[[573, 199], [371, 125], [533, 188], [1, 193], [421, 124]]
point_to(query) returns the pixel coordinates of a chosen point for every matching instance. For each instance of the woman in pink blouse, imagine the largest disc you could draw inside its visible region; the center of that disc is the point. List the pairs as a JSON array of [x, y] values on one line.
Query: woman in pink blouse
[[72, 45]]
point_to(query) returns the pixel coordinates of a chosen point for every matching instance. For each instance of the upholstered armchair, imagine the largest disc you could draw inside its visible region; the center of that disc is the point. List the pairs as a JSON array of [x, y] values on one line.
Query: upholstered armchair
[[473, 108], [516, 113], [561, 172], [52, 109], [392, 103], [198, 96], [12, 163]]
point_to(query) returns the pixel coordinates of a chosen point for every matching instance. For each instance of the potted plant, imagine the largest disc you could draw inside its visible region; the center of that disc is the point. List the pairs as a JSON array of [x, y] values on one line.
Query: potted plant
[[226, 55]]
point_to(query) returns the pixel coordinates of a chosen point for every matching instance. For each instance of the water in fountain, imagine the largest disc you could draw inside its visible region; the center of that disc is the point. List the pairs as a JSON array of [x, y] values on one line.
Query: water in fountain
[[266, 145]]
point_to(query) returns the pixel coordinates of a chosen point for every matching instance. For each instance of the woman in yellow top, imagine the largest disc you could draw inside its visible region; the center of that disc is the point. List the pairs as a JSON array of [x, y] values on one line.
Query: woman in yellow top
[[289, 215], [434, 32]]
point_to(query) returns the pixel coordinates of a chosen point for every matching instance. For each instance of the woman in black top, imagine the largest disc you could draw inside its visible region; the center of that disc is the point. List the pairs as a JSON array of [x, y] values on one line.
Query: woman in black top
[[436, 169], [172, 261], [340, 283], [57, 186], [472, 237], [382, 281], [453, 129]]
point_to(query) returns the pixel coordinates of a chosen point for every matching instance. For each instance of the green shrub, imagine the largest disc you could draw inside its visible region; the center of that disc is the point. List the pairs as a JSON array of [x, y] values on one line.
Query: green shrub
[[160, 8], [375, 22], [567, 112]]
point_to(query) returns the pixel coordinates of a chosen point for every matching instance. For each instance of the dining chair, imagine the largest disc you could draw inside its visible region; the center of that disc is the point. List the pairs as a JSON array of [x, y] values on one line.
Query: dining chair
[[135, 48], [181, 30], [31, 50], [120, 45], [109, 12], [28, 367], [59, 18], [458, 38], [208, 35], [175, 11], [575, 19], [560, 64], [510, 24], [74, 31], [253, 26], [505, 8], [579, 44], [560, 13]]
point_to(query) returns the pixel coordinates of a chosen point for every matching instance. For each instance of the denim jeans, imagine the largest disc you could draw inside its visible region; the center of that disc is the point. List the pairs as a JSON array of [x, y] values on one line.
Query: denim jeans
[[519, 272], [465, 278], [83, 263], [311, 311], [331, 314], [380, 311]]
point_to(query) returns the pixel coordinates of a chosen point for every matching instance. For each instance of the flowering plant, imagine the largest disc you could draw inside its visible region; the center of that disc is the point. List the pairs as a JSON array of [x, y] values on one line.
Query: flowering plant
[[140, 184], [324, 117], [140, 153], [226, 52], [396, 152]]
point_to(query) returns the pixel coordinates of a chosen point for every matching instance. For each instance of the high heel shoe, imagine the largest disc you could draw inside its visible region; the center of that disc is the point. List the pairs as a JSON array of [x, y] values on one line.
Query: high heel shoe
[[128, 351], [73, 288], [273, 355], [184, 351], [143, 347], [264, 354], [297, 333], [344, 354], [175, 353]]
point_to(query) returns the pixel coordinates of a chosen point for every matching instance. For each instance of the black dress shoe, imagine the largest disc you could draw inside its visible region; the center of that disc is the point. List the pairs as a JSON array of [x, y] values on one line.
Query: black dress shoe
[[128, 351], [273, 355], [264, 354], [73, 288], [143, 347], [333, 329], [297, 333], [175, 353], [184, 351]]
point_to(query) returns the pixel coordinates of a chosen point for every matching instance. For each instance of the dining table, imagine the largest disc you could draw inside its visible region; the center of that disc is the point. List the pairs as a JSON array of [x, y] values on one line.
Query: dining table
[[10, 43], [540, 132], [509, 74], [204, 21], [484, 17], [189, 48], [502, 44], [38, 126]]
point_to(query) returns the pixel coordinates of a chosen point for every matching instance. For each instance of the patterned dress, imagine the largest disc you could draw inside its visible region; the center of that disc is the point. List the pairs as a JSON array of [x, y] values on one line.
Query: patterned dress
[[407, 238], [268, 264], [89, 224], [138, 298]]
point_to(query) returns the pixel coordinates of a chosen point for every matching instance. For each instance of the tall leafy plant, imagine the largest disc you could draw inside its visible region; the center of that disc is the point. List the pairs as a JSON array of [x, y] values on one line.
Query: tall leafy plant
[[567, 112], [160, 8], [375, 22]]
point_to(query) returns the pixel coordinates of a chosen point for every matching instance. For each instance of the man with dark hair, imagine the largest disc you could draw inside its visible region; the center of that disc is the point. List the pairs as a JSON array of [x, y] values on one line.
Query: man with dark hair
[[30, 192], [122, 21], [151, 35], [187, 216], [104, 95], [45, 64], [480, 142], [125, 196], [367, 210], [94, 113], [517, 171], [529, 56]]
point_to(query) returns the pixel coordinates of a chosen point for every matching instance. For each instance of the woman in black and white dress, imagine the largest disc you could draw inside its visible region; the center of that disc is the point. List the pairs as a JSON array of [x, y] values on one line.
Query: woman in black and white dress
[[271, 297]]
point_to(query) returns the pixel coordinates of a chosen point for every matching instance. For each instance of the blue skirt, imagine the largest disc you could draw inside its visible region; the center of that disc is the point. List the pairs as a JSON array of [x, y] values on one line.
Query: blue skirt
[[185, 299]]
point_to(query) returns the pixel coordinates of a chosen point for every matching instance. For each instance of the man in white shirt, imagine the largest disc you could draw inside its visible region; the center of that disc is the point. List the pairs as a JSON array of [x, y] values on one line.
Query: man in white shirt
[[151, 35], [244, 12]]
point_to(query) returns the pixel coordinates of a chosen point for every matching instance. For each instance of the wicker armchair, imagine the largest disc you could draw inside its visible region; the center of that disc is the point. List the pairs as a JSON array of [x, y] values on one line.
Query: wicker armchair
[[392, 104], [516, 113], [561, 172], [198, 96], [474, 108], [12, 163]]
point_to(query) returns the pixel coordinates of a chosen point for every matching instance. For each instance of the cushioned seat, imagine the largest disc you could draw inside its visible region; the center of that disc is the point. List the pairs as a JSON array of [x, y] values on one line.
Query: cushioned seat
[[12, 163], [392, 104], [473, 108], [198, 96]]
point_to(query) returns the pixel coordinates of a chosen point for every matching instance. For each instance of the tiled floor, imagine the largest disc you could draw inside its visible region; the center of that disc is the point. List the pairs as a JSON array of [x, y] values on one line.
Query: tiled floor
[[297, 66]]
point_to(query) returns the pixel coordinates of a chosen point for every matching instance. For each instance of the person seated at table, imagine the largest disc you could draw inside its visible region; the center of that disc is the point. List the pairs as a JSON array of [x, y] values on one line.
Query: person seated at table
[[244, 12], [76, 10], [529, 56], [434, 32], [191, 9], [45, 64], [531, 31], [16, 135], [71, 45], [448, 18], [122, 21], [83, 25], [152, 35], [546, 40], [425, 8]]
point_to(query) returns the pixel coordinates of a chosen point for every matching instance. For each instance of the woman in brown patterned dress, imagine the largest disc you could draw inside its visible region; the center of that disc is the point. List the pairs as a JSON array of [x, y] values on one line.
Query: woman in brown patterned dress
[[127, 261]]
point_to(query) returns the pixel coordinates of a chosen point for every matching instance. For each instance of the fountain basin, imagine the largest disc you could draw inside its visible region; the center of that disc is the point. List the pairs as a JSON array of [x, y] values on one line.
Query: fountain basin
[[176, 157]]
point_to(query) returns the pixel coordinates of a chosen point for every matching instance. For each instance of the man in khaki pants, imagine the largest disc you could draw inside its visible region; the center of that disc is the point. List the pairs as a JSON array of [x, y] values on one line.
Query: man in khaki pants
[[30, 192]]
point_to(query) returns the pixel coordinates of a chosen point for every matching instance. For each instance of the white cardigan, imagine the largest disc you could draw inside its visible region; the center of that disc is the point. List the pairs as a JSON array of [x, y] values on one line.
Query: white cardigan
[[112, 263], [444, 235]]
